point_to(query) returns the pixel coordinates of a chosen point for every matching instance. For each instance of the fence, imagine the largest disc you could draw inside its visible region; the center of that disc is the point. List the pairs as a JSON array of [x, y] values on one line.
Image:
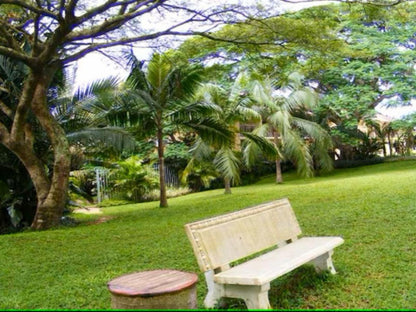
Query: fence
[[171, 177]]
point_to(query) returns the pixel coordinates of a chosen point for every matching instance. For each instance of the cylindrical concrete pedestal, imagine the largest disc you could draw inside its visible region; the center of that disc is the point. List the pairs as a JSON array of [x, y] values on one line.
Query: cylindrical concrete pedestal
[[158, 289]]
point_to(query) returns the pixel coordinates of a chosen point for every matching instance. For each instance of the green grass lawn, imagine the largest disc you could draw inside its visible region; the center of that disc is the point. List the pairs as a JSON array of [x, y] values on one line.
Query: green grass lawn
[[373, 208]]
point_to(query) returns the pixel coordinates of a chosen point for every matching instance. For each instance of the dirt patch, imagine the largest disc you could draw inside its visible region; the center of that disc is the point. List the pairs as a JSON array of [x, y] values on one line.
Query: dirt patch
[[88, 210]]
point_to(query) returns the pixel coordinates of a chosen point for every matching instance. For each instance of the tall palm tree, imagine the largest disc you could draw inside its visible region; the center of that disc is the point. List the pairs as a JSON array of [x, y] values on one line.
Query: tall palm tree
[[287, 117], [156, 102], [234, 109]]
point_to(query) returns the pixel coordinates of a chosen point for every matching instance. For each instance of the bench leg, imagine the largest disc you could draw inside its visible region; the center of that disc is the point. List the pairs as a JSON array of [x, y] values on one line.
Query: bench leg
[[255, 297], [215, 291], [324, 262]]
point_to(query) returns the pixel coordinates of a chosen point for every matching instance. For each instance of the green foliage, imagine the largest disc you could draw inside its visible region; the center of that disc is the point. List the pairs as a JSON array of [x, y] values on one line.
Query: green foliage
[[270, 46], [378, 69], [132, 180], [83, 183], [288, 119], [198, 174], [177, 156]]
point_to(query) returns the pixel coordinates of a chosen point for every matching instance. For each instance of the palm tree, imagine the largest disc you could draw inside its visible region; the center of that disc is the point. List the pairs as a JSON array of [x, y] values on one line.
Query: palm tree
[[155, 103], [287, 118], [234, 109]]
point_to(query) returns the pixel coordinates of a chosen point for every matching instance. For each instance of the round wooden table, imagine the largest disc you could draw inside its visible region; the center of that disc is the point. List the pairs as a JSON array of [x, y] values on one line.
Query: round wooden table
[[157, 289]]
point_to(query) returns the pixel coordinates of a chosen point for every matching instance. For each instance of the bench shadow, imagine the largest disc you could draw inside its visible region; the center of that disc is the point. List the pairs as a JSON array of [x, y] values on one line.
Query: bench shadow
[[286, 292]]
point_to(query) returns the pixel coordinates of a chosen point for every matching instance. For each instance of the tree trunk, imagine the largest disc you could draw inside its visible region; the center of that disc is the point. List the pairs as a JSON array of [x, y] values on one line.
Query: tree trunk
[[237, 138], [227, 185], [51, 190], [390, 144], [50, 208], [279, 176], [160, 152]]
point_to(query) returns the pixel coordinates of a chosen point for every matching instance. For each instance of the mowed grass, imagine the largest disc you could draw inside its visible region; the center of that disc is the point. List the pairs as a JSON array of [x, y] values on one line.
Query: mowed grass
[[373, 208]]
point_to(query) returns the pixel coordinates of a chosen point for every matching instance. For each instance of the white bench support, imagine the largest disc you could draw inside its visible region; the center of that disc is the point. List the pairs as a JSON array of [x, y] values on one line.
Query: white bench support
[[255, 297], [220, 241], [324, 262]]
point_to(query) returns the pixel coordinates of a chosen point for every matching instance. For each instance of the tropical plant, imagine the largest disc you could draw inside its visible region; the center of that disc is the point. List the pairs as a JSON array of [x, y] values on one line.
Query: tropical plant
[[288, 119], [156, 104], [132, 180], [234, 109]]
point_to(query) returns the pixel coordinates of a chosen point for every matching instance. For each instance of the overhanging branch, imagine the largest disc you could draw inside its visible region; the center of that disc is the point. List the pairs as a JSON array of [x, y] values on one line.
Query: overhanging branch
[[373, 2], [34, 9]]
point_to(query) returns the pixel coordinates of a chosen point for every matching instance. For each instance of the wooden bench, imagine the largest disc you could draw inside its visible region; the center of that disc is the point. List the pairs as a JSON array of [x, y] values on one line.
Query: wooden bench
[[220, 241]]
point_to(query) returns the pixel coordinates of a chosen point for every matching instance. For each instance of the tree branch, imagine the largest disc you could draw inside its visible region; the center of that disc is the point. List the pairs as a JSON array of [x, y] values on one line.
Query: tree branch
[[26, 5], [109, 24], [6, 110], [20, 56], [373, 2], [19, 121], [11, 42], [4, 134]]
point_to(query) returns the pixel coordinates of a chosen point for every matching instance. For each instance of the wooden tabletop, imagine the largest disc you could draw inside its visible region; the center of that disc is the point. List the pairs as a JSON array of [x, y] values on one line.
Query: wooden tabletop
[[150, 283]]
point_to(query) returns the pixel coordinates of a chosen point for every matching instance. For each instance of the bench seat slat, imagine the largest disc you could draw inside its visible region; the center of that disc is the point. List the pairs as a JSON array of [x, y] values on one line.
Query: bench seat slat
[[278, 262]]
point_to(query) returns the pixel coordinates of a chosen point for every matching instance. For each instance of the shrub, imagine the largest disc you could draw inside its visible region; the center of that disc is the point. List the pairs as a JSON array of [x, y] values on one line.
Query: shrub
[[132, 180]]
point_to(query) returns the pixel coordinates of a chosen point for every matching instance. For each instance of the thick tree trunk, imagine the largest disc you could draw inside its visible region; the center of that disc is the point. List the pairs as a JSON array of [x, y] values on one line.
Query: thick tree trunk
[[162, 182], [50, 207], [51, 190]]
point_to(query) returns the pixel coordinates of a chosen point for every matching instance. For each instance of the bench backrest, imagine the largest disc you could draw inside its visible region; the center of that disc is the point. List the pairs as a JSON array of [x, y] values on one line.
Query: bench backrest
[[220, 240]]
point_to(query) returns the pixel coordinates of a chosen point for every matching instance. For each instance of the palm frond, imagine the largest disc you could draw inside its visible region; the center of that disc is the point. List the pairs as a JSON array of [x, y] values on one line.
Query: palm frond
[[251, 152], [185, 80], [117, 138], [211, 130], [297, 151], [239, 87], [247, 114], [137, 77], [295, 80], [96, 89], [227, 164], [263, 144], [300, 99], [158, 70], [11, 74], [182, 111], [201, 150], [280, 120], [321, 142], [313, 130], [261, 92], [210, 93]]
